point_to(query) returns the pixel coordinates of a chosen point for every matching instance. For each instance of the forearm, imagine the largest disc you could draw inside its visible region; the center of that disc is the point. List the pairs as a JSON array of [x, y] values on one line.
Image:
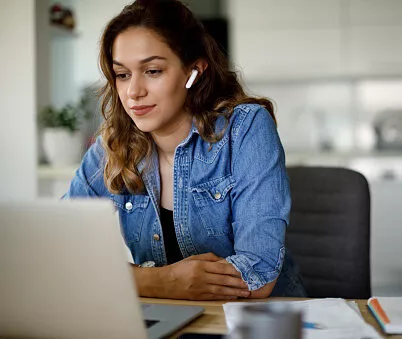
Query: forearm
[[263, 292], [152, 282]]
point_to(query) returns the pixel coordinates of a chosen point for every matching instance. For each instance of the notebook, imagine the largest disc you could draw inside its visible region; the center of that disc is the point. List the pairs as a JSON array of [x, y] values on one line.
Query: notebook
[[388, 313], [64, 274]]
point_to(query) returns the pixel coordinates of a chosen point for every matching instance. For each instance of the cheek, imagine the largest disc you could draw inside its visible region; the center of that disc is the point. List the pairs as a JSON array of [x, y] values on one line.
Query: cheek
[[174, 90], [121, 93]]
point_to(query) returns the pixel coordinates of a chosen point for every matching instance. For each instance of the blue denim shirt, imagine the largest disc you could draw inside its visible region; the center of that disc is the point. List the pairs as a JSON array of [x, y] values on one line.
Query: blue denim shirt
[[232, 199]]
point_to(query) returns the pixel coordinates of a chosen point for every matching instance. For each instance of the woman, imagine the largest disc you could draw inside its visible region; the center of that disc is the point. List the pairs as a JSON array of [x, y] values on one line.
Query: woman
[[194, 166]]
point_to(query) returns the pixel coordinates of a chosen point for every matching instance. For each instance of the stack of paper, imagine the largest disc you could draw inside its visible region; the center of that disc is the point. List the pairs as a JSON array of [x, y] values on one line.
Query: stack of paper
[[335, 318], [388, 312]]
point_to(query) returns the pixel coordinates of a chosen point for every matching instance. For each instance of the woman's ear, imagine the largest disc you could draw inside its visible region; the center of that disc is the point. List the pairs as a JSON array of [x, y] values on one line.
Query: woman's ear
[[196, 71], [200, 65]]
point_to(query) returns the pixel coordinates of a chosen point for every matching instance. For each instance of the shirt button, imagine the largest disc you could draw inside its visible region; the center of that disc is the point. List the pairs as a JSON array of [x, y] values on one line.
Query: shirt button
[[129, 206], [217, 195], [156, 237]]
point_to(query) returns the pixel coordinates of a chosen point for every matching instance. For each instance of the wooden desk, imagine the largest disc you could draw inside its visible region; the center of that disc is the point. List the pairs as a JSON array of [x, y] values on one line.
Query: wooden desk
[[213, 319]]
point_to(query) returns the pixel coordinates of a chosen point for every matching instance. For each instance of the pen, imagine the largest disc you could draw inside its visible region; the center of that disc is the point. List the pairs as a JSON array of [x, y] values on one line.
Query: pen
[[309, 325]]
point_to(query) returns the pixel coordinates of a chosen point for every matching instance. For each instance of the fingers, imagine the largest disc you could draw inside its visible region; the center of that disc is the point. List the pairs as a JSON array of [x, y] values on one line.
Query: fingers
[[210, 296], [222, 268], [228, 291], [223, 261], [226, 280]]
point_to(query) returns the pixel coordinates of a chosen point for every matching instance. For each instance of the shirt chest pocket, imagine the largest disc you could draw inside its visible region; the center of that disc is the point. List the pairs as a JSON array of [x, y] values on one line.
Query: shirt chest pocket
[[131, 210], [213, 205]]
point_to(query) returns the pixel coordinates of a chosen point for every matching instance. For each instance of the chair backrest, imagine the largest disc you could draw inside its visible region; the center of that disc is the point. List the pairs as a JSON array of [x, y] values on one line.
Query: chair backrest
[[329, 231]]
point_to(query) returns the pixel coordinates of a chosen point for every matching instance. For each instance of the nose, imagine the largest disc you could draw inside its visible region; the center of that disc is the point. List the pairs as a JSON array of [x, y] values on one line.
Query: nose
[[136, 88]]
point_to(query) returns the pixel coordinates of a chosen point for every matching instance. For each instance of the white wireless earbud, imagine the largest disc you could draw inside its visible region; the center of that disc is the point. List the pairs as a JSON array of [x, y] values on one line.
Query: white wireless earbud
[[190, 81]]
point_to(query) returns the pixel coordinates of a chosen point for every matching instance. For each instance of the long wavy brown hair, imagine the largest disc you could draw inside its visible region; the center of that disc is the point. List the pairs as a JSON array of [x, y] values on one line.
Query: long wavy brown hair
[[215, 94]]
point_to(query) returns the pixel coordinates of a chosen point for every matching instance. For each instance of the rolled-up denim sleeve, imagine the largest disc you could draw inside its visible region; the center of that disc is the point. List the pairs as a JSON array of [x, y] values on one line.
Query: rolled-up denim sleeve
[[260, 198], [88, 179]]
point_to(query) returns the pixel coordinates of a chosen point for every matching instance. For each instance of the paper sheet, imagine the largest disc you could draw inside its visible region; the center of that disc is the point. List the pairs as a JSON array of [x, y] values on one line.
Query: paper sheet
[[337, 317]]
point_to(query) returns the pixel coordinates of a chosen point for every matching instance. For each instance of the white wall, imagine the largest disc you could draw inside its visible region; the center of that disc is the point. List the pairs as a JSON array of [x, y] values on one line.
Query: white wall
[[92, 16], [386, 235], [18, 103], [72, 60]]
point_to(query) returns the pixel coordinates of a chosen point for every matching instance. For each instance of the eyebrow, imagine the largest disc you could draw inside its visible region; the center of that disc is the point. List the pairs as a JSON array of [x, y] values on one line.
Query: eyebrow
[[143, 61]]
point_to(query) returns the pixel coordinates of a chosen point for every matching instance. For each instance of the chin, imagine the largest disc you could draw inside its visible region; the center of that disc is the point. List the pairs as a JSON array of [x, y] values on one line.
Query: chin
[[145, 124], [145, 127]]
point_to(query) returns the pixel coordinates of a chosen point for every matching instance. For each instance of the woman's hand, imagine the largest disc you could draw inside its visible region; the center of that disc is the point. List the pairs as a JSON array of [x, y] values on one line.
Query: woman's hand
[[199, 277], [263, 292], [203, 277]]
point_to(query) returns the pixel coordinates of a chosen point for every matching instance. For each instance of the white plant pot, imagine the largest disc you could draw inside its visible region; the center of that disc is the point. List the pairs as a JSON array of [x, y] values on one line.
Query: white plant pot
[[62, 147]]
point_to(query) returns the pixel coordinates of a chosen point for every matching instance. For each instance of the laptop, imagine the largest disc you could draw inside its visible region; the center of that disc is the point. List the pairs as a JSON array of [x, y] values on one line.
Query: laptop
[[64, 274]]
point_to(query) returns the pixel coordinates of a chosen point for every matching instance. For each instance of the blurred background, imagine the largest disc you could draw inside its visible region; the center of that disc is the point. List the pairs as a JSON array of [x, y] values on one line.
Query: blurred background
[[332, 67]]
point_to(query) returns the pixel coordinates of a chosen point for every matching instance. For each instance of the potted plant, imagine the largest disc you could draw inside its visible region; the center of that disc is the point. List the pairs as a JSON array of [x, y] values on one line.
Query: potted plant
[[63, 137]]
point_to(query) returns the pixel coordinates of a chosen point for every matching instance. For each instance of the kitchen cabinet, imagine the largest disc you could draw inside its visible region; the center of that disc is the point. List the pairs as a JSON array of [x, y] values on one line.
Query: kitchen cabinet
[[314, 39]]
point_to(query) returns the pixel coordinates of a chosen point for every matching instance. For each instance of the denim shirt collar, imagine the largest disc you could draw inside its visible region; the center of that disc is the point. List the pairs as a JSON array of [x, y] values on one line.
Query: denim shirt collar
[[193, 130]]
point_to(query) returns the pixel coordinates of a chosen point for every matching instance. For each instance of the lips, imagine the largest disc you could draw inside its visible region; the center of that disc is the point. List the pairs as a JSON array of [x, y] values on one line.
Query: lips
[[142, 110]]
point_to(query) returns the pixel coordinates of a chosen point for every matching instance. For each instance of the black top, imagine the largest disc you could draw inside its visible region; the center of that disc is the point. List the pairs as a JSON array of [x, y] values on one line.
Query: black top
[[172, 249]]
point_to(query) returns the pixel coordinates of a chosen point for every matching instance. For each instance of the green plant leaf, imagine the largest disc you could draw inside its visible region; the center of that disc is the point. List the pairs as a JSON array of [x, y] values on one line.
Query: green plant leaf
[[70, 116]]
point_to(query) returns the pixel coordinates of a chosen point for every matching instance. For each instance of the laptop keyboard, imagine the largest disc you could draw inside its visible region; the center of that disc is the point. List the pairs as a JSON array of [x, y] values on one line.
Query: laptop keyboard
[[149, 323]]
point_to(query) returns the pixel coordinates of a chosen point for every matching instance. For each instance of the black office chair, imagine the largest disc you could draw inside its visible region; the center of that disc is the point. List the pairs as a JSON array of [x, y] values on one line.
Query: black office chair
[[329, 231]]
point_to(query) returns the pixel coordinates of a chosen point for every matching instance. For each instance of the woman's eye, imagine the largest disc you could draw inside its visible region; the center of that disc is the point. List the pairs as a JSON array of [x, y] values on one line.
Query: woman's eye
[[153, 72], [122, 76]]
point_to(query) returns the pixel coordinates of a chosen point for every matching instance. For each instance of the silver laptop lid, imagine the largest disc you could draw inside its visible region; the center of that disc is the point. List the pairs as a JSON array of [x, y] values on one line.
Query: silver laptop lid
[[64, 272]]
